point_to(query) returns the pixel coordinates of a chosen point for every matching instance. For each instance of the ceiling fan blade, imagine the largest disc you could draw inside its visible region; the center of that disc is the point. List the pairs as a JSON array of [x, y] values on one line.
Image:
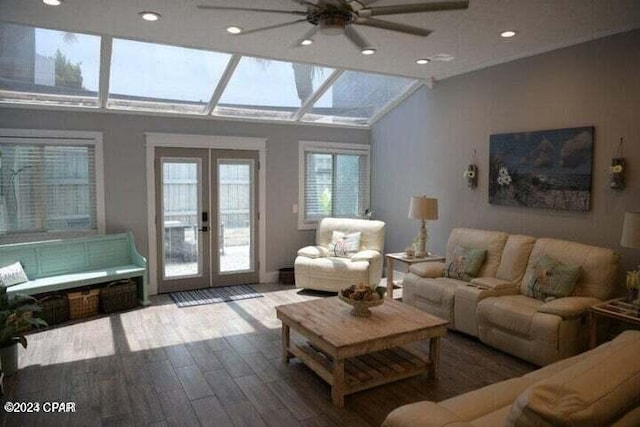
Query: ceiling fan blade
[[393, 26], [242, 9], [308, 35], [355, 38], [271, 27], [413, 8]]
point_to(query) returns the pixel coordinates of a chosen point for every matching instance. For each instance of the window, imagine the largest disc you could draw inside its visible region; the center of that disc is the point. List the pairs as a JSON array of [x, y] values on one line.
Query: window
[[356, 97], [334, 181], [277, 89], [48, 66], [157, 77], [48, 185]]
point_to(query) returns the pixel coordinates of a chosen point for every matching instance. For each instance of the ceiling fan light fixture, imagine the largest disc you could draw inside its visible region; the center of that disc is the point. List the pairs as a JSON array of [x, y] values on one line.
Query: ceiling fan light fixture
[[423, 61], [149, 15], [332, 25], [52, 2], [368, 51], [306, 42], [234, 30], [508, 34]]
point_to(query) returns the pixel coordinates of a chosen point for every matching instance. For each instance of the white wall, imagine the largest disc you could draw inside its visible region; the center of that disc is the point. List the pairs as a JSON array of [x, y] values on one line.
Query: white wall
[[125, 174], [424, 145]]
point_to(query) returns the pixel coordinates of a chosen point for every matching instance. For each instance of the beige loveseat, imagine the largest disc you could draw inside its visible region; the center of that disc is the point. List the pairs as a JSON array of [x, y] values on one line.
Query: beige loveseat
[[317, 268], [598, 388], [493, 306]]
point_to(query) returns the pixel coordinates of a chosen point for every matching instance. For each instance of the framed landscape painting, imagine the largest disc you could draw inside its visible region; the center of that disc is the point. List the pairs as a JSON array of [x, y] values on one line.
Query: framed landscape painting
[[544, 169]]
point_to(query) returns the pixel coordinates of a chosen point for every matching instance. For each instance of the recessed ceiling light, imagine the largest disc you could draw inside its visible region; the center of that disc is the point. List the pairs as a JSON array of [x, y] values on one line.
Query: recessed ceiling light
[[368, 51], [422, 61], [234, 30], [306, 42], [508, 34], [52, 2], [150, 16]]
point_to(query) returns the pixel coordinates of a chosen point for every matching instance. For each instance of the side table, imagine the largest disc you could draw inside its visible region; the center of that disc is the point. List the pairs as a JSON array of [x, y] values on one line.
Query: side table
[[402, 258], [618, 309]]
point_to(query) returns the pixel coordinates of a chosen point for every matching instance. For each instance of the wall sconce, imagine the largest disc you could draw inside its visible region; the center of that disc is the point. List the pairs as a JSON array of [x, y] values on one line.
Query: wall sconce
[[471, 173], [617, 169]]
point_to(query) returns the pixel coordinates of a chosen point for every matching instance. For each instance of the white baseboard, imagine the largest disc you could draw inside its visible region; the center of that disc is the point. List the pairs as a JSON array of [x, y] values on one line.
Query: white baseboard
[[270, 277]]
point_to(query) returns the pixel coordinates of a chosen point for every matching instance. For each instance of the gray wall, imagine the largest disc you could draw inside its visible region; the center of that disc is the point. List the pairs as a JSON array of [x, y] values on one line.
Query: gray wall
[[125, 173], [424, 145]]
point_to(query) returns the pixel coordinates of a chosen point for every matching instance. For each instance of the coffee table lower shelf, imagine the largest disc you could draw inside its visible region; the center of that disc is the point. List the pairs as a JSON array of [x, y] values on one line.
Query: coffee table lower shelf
[[365, 371]]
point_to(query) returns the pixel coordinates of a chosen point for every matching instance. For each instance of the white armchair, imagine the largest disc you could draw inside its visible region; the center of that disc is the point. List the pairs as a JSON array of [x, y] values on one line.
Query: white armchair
[[317, 267]]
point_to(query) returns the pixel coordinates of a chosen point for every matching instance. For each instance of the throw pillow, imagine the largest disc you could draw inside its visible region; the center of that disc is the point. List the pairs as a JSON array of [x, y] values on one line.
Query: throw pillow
[[464, 263], [552, 279], [12, 275], [344, 245]]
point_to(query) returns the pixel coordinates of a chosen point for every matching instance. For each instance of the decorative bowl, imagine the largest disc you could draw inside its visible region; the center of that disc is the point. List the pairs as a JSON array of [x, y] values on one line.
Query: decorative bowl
[[360, 307]]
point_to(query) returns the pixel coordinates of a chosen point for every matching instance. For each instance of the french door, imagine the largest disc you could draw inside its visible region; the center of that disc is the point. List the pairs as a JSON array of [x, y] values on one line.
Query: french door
[[206, 216]]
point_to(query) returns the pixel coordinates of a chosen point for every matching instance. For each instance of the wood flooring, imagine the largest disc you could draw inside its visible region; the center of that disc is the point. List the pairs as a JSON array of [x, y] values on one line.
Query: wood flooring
[[214, 365]]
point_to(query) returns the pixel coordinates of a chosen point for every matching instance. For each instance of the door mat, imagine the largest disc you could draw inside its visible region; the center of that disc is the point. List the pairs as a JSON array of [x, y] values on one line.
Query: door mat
[[213, 295]]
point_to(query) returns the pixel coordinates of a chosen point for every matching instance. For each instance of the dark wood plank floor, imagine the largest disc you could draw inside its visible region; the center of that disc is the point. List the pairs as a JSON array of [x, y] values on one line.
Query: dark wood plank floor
[[214, 365]]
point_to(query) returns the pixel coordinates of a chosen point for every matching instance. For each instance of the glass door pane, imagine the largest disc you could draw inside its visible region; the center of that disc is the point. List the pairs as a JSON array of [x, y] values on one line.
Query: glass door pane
[[235, 215], [181, 205]]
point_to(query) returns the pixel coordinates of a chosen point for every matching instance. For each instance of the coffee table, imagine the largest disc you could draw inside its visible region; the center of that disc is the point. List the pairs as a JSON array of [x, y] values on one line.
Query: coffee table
[[357, 353]]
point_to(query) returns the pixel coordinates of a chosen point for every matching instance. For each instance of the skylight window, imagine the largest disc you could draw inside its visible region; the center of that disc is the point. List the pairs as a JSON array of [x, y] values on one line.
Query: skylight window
[[64, 69], [269, 89], [356, 97], [156, 77], [48, 67]]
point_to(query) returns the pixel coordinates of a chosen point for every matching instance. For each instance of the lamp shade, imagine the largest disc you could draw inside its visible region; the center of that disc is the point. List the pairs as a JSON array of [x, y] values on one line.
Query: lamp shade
[[631, 230], [422, 207]]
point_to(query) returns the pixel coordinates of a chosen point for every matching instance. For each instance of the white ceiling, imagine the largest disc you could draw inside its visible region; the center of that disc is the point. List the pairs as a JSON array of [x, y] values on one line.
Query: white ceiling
[[471, 36]]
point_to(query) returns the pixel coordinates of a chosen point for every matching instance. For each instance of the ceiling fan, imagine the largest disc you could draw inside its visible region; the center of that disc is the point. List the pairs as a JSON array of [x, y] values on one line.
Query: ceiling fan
[[335, 17]]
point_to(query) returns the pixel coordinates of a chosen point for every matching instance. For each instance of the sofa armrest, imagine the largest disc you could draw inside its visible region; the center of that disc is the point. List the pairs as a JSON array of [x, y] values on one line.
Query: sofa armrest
[[568, 307], [423, 414], [429, 270], [314, 252], [494, 284], [366, 255]]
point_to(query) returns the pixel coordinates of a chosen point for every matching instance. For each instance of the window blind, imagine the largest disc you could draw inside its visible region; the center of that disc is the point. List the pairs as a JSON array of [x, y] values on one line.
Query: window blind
[[47, 187], [335, 184]]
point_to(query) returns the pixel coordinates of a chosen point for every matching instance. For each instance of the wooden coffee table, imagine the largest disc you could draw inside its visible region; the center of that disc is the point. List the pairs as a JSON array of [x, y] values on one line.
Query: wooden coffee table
[[357, 353]]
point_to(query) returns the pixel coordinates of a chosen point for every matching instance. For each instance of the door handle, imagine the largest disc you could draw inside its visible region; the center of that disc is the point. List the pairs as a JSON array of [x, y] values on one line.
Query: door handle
[[204, 229]]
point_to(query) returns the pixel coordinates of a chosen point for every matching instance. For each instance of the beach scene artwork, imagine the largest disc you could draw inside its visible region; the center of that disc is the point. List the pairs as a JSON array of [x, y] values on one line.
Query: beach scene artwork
[[548, 169]]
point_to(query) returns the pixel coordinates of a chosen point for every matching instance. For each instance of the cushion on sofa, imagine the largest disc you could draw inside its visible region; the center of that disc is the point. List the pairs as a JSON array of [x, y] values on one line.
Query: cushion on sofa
[[428, 269], [595, 391], [569, 307], [551, 278], [314, 251], [515, 256], [492, 283], [491, 241], [424, 414], [344, 245], [372, 232], [464, 263], [599, 265]]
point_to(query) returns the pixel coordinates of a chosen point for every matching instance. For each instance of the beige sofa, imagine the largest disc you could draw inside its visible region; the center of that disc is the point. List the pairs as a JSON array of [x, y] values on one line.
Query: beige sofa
[[494, 307], [316, 268], [598, 388]]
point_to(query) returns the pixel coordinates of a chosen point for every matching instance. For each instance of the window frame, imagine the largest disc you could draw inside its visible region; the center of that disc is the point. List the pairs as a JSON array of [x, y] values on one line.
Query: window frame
[[329, 148], [67, 138]]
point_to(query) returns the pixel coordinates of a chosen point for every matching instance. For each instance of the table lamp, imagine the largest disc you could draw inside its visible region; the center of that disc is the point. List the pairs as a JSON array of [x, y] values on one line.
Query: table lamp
[[631, 230], [423, 208]]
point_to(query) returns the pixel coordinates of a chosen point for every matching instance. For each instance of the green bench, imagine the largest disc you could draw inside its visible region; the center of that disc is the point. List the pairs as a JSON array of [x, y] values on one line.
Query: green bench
[[57, 265]]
